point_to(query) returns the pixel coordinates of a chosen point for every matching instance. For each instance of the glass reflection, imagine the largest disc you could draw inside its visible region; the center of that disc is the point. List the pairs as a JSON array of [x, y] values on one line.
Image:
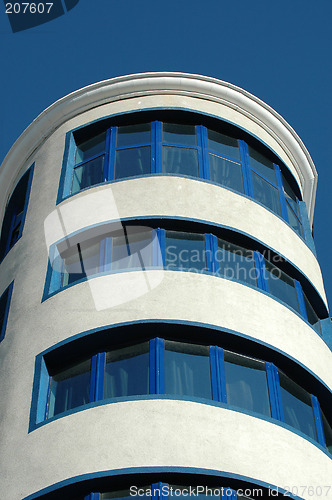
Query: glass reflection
[[185, 251], [187, 370], [69, 388], [127, 371], [180, 161], [246, 383], [297, 406]]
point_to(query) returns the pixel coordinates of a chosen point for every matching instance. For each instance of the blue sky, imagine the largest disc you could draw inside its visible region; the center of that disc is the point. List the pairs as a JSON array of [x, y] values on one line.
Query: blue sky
[[280, 51]]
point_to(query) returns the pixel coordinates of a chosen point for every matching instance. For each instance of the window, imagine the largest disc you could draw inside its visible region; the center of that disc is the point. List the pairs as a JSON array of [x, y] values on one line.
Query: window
[[187, 370], [185, 251], [127, 371], [132, 151], [281, 285], [180, 370], [179, 150], [69, 388], [246, 383], [297, 406], [140, 248], [4, 310], [328, 432], [89, 163], [138, 149], [235, 262], [13, 222]]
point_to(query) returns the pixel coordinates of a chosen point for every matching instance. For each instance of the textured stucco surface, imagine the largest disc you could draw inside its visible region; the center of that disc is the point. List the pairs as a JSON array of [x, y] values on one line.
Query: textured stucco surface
[[124, 434], [146, 434]]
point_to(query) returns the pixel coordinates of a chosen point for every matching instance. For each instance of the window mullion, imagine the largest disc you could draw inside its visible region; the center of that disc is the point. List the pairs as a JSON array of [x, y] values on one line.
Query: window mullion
[[100, 373], [106, 173], [160, 366], [318, 421], [157, 491], [69, 162], [261, 271], [247, 181], [157, 366], [300, 298], [162, 246], [282, 198], [224, 494], [158, 146], [273, 393], [215, 379], [111, 162], [221, 373], [202, 152], [209, 252], [93, 377]]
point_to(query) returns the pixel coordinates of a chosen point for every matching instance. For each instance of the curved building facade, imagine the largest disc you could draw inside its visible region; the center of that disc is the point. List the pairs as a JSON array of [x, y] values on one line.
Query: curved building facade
[[164, 324]]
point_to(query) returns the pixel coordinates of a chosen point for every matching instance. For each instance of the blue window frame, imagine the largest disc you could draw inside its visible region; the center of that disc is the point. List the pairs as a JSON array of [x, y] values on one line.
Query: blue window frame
[[4, 309], [15, 213], [134, 248], [139, 149], [179, 369]]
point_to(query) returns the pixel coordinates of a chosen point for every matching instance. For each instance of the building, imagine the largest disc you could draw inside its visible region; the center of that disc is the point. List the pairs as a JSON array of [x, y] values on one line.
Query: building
[[163, 315]]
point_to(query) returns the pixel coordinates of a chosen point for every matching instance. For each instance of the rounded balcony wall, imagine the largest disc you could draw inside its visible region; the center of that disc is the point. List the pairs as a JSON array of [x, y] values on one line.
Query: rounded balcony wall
[[142, 92], [168, 295], [178, 197], [141, 434]]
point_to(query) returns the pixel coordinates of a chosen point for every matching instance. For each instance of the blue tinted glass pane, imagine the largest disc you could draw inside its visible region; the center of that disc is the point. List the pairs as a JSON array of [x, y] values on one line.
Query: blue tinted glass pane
[[131, 162], [15, 234], [312, 316], [142, 492], [294, 222], [180, 161], [201, 492], [187, 370], [223, 145], [281, 286], [246, 383], [297, 406], [90, 148], [132, 250], [226, 172], [290, 195], [133, 134], [3, 307], [185, 251], [179, 134], [236, 263], [69, 388], [127, 371], [81, 261], [88, 174], [266, 194], [327, 432], [262, 165]]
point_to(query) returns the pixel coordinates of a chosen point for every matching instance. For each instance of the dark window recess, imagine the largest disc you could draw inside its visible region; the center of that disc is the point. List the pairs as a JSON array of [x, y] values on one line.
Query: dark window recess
[[13, 221]]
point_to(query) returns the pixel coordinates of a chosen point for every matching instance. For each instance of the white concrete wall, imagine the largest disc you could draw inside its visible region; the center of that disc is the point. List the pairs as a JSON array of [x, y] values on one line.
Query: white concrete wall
[[181, 197], [161, 433]]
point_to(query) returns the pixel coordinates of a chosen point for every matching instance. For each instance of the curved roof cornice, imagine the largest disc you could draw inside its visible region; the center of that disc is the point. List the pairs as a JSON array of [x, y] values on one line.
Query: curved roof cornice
[[143, 84]]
